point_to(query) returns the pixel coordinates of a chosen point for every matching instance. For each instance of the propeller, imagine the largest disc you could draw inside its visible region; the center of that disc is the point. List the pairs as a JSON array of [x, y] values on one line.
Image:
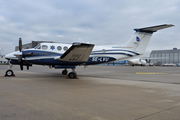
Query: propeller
[[20, 57], [20, 44]]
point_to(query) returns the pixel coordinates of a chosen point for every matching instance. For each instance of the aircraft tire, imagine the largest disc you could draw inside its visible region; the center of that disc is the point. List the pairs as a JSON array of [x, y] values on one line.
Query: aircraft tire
[[64, 72], [72, 75], [9, 73]]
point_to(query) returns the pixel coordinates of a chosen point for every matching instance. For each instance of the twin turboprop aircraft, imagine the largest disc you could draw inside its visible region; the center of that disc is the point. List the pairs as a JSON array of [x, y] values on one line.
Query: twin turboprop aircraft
[[68, 56]]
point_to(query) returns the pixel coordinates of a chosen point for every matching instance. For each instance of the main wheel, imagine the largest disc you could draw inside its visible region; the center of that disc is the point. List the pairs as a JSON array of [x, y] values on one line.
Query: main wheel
[[9, 73], [72, 75], [64, 72]]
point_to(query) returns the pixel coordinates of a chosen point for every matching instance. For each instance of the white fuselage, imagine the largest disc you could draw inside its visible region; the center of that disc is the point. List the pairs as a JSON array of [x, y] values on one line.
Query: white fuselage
[[99, 54]]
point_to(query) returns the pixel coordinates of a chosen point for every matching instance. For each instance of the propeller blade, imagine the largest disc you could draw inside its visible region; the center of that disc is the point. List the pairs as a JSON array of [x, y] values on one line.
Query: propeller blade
[[27, 67], [20, 56], [21, 65], [20, 44]]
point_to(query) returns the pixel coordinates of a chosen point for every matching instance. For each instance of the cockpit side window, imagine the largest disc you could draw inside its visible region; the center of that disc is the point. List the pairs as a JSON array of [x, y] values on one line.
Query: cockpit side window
[[38, 47], [44, 47]]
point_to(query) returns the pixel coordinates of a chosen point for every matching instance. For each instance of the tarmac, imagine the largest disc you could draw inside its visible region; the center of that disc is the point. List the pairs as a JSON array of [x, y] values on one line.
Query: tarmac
[[99, 93]]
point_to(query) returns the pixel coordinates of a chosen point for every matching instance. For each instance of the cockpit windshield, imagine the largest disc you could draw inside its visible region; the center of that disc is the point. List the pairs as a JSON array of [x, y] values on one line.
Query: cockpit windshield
[[38, 47]]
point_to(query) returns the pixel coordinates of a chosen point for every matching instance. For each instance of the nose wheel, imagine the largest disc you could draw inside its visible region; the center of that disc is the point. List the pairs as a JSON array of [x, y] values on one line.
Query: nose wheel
[[9, 73]]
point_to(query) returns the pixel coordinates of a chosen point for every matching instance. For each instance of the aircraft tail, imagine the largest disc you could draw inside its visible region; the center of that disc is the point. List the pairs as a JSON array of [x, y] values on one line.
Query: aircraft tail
[[139, 41]]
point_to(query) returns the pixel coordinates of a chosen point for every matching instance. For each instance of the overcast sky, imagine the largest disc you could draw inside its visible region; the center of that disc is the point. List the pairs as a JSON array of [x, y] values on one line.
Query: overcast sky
[[101, 22]]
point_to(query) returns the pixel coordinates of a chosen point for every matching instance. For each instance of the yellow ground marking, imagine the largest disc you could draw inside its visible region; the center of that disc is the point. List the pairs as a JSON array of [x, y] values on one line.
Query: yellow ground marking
[[152, 73]]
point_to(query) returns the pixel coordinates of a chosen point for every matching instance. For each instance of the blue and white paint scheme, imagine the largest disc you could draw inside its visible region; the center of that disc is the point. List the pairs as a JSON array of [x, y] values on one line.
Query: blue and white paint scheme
[[59, 55]]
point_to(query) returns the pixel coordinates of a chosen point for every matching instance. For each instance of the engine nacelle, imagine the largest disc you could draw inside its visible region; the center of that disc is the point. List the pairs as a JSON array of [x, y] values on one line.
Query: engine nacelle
[[15, 62]]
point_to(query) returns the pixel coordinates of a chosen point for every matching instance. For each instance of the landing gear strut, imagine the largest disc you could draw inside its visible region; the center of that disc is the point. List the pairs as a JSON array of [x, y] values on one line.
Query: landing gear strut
[[9, 72]]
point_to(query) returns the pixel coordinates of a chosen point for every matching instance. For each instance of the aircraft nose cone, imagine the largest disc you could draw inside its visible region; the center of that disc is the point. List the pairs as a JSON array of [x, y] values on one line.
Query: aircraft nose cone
[[9, 56]]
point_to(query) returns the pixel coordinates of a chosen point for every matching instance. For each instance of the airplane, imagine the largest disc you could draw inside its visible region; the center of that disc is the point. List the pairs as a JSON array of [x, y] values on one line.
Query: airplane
[[143, 61], [68, 56], [139, 61]]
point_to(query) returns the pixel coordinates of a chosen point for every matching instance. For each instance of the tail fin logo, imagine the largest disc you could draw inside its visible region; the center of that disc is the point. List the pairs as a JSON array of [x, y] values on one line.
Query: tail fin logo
[[137, 39]]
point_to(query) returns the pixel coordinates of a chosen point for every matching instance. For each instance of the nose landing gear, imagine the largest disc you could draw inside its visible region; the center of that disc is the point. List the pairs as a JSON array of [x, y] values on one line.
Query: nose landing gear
[[9, 73]]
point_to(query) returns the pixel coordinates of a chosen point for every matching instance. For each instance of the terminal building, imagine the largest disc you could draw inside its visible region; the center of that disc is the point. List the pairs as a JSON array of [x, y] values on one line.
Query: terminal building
[[2, 58], [162, 57]]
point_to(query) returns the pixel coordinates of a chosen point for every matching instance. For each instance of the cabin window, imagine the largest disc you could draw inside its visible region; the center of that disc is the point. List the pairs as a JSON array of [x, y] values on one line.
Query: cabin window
[[44, 47], [59, 48], [103, 50], [65, 48]]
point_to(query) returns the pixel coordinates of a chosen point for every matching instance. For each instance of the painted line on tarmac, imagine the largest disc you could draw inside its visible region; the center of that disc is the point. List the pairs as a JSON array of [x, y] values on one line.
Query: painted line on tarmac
[[150, 73]]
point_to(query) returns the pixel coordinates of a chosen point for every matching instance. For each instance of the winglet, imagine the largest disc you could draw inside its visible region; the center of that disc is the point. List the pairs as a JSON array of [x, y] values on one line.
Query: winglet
[[153, 28]]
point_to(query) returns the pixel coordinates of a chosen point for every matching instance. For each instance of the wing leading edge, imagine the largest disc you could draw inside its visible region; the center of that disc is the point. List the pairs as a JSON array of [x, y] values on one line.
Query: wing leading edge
[[78, 52]]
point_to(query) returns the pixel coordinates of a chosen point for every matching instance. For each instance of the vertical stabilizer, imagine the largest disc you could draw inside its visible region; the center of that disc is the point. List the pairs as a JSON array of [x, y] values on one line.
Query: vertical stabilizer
[[139, 41]]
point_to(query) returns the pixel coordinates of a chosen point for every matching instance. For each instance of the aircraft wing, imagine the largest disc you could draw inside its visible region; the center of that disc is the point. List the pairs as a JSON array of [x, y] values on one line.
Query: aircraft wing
[[78, 52]]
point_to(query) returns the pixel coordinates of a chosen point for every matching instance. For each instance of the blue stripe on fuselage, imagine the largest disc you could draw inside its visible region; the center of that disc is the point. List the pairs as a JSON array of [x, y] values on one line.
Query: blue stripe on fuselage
[[51, 61], [112, 53], [47, 58], [116, 50]]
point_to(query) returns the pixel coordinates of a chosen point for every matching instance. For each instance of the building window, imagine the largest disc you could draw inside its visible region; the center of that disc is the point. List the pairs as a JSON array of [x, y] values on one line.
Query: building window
[[176, 57], [163, 57], [167, 58], [159, 57], [44, 47], [151, 56], [65, 48], [171, 57], [155, 55], [155, 60], [59, 48]]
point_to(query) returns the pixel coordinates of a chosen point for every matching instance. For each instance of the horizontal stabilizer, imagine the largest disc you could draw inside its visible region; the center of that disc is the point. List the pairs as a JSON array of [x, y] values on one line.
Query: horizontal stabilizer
[[153, 28], [77, 53]]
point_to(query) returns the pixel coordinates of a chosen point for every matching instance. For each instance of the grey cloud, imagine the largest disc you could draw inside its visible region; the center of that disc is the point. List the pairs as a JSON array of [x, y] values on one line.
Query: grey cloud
[[99, 22]]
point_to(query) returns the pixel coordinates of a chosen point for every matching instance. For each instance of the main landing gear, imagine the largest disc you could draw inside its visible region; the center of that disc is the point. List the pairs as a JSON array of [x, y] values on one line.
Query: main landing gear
[[71, 75], [64, 72]]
